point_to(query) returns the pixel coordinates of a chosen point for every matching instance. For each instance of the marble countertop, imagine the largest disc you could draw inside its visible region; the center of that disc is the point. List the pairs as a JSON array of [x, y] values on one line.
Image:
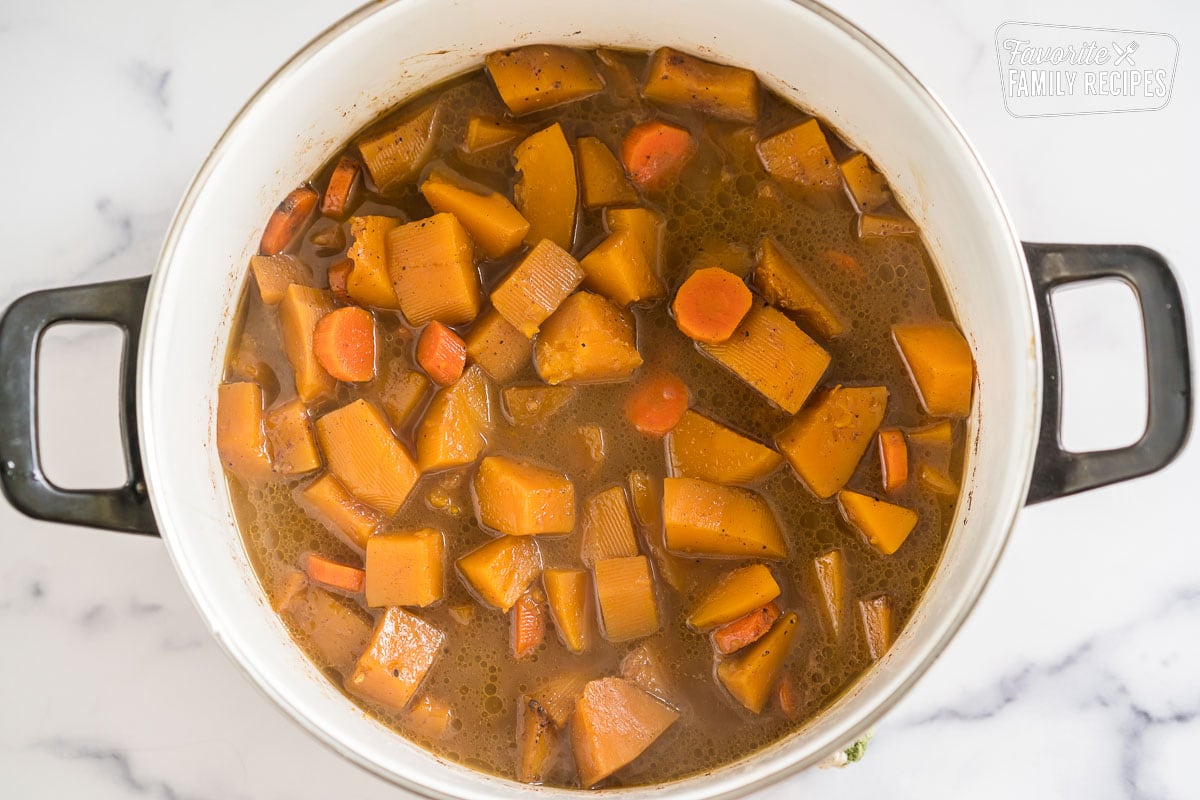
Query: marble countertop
[[1078, 676]]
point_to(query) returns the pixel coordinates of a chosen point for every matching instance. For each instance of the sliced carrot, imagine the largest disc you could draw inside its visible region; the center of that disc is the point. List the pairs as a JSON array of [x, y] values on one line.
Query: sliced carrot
[[441, 353], [344, 344], [286, 221], [528, 623], [336, 201], [893, 459], [334, 574], [843, 262], [788, 696], [711, 304], [339, 277], [733, 636], [657, 403], [654, 153]]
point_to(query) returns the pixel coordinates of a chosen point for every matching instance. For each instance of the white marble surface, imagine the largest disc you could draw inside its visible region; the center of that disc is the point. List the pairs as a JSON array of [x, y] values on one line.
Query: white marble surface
[[1077, 677]]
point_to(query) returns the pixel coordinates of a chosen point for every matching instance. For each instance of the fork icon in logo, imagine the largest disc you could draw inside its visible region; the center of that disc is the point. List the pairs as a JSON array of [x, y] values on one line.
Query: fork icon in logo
[[1125, 53]]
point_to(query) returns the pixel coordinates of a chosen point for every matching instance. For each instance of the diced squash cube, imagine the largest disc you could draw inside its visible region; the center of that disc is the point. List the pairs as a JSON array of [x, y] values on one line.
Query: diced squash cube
[[937, 481], [707, 519], [874, 226], [801, 155], [300, 310], [602, 176], [493, 222], [557, 695], [402, 392], [522, 499], [293, 445], [432, 264], [537, 741], [569, 594], [585, 456], [619, 269], [369, 282], [501, 570], [496, 346], [785, 285], [746, 629], [878, 628], [751, 675], [678, 79], [775, 357], [698, 447], [537, 286], [940, 364], [274, 274], [483, 133], [456, 424], [328, 502], [614, 723], [405, 568], [534, 405], [831, 579], [651, 669], [625, 591], [866, 186], [547, 191], [540, 76], [646, 496], [429, 717], [587, 340], [647, 228], [337, 630], [366, 458], [607, 527], [736, 593], [825, 441], [400, 654], [395, 155], [241, 438], [886, 525]]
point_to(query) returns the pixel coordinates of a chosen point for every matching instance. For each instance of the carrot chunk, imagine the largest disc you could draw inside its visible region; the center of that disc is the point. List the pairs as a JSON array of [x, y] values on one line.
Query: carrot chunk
[[336, 201], [344, 344], [333, 574], [441, 353], [654, 153], [733, 636], [339, 280], [657, 403], [286, 221], [710, 305], [893, 459]]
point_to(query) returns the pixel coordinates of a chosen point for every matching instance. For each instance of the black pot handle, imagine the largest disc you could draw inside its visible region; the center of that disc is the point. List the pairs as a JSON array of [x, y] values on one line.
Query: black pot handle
[[25, 484], [1058, 472]]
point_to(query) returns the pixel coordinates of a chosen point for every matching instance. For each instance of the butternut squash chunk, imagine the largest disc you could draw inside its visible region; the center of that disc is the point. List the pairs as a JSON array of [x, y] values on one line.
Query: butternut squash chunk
[[568, 592], [831, 580], [786, 286], [678, 79], [867, 187], [736, 593], [293, 445], [558, 694], [522, 499], [394, 156], [646, 496], [537, 286], [537, 741], [646, 499], [875, 226], [876, 614], [534, 405], [645, 225], [651, 669], [299, 312], [625, 592], [402, 391], [602, 176], [457, 423], [541, 76], [937, 481], [729, 256], [825, 441], [241, 439], [775, 357], [337, 630], [587, 340], [607, 527], [547, 192], [365, 457], [493, 222], [746, 629], [939, 434], [369, 283], [885, 525], [328, 502], [751, 675], [619, 269], [429, 717], [496, 346], [939, 361], [801, 155], [405, 568], [400, 654], [614, 723], [707, 519], [501, 570], [273, 274], [432, 264], [698, 447], [527, 623], [484, 134]]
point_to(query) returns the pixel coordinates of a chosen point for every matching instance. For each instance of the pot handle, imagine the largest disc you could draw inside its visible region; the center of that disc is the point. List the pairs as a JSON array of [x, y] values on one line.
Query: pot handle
[[25, 484], [1058, 472]]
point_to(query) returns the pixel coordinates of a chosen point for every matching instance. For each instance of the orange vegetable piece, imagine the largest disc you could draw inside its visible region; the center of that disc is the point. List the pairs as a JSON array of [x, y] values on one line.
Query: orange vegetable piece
[[405, 568], [273, 274], [937, 481], [300, 310], [334, 574], [831, 578], [537, 741], [788, 696], [362, 453], [893, 459], [827, 439], [241, 438], [876, 613], [843, 262], [940, 363], [710, 305], [528, 619], [654, 153], [290, 434], [342, 182], [614, 723], [286, 221], [886, 525], [657, 403], [881, 225], [337, 630], [328, 502], [344, 344], [441, 353], [429, 716], [339, 279], [801, 155], [746, 630], [500, 570], [403, 648]]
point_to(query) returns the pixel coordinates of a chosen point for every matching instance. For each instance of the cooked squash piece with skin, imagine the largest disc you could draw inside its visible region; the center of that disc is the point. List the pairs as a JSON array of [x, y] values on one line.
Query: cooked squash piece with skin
[[885, 525], [429, 716], [785, 285], [698, 447], [528, 623], [619, 269], [457, 423], [867, 187], [774, 356], [402, 392], [547, 191], [801, 155], [328, 502], [939, 434], [880, 225], [483, 134], [405, 568], [893, 460], [402, 649], [647, 666], [273, 274], [588, 339], [876, 615], [614, 723], [501, 570], [569, 594], [647, 228], [536, 287], [751, 675], [646, 499], [735, 594], [745, 630], [537, 741], [293, 445], [432, 265], [369, 283], [825, 441], [678, 79], [534, 405], [541, 76], [241, 438], [602, 176], [394, 156], [300, 310], [937, 481], [607, 528], [496, 346], [831, 579], [366, 458], [557, 695], [337, 630], [939, 361], [493, 222], [625, 593], [707, 519], [522, 499]]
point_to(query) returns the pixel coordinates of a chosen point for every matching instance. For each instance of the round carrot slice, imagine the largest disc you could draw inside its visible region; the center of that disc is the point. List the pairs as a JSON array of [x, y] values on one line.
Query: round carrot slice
[[657, 403], [344, 344], [711, 304]]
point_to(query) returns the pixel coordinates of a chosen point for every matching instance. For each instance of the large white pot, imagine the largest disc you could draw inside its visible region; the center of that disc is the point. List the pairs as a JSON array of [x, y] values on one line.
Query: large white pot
[[387, 52]]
